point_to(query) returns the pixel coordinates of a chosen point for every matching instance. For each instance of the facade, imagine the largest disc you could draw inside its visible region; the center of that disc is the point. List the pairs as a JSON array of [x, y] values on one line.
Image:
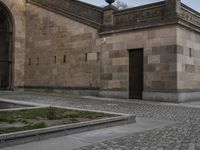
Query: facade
[[149, 52]]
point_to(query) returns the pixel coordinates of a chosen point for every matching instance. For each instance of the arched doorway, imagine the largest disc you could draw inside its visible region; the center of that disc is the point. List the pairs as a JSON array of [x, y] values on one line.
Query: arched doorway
[[6, 48]]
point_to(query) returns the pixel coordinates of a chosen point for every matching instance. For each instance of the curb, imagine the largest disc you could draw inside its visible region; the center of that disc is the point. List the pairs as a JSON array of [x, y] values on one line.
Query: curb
[[22, 137]]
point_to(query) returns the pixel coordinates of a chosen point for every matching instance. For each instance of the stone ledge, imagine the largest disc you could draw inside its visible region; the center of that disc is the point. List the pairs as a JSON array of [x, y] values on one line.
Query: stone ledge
[[19, 105], [173, 97], [63, 130], [62, 90], [73, 15], [114, 94]]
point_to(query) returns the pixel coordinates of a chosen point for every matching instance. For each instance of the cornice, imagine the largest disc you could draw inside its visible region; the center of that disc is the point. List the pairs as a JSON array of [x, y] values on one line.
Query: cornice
[[81, 12]]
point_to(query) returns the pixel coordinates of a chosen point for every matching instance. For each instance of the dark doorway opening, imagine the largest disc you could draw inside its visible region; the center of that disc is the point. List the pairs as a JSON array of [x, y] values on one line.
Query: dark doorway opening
[[6, 46], [136, 73]]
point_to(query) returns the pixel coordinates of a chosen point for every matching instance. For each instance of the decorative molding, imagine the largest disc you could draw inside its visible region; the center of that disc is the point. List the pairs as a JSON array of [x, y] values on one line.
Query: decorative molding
[[140, 16], [145, 16], [190, 15], [87, 12], [153, 15]]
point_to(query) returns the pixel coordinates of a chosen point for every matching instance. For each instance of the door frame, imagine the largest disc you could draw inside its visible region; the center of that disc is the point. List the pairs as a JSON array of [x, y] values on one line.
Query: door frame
[[11, 45], [129, 50]]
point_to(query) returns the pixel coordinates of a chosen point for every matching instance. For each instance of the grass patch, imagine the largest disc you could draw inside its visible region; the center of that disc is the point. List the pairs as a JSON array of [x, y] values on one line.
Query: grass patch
[[21, 120], [27, 127]]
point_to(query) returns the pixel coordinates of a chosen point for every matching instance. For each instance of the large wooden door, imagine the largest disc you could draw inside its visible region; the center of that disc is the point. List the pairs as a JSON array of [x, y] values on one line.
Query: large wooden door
[[136, 73], [6, 38], [5, 62]]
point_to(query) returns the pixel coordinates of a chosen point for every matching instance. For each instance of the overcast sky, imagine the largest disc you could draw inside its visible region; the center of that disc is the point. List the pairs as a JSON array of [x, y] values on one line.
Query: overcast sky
[[195, 4]]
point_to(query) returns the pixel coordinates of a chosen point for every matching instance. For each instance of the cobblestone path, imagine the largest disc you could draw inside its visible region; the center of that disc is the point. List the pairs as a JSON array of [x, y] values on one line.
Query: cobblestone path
[[183, 135], [177, 137]]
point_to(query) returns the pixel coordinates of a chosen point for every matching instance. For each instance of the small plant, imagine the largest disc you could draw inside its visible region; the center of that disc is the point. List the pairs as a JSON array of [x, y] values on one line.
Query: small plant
[[51, 115], [24, 121]]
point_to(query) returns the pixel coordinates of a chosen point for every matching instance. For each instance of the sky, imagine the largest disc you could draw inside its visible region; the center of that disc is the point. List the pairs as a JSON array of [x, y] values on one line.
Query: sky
[[195, 4]]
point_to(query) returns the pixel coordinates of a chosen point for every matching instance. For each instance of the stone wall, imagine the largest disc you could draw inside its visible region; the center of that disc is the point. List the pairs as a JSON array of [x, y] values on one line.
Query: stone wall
[[188, 60], [159, 60], [60, 52], [57, 48], [76, 10], [17, 10]]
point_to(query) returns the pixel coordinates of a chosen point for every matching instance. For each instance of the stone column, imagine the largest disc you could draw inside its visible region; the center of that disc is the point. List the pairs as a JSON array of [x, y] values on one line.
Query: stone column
[[108, 15], [173, 8]]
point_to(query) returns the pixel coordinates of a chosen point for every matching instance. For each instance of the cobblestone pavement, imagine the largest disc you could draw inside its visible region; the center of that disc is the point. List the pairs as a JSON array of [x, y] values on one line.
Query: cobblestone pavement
[[183, 135], [177, 137]]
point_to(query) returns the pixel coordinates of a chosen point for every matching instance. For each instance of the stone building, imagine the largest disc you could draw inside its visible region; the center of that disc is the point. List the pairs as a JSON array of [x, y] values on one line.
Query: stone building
[[148, 52]]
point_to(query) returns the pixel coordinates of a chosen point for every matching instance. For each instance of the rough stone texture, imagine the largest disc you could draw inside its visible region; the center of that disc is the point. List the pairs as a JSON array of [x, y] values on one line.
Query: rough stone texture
[[140, 17], [159, 59], [17, 10], [190, 16], [188, 60], [56, 49], [77, 10], [173, 7], [50, 38]]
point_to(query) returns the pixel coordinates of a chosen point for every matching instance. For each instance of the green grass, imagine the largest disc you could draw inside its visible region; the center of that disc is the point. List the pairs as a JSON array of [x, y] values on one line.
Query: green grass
[[43, 117], [27, 127]]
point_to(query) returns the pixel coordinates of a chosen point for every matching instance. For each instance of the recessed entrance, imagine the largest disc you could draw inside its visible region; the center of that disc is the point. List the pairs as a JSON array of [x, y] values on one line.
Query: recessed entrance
[[6, 43], [135, 73]]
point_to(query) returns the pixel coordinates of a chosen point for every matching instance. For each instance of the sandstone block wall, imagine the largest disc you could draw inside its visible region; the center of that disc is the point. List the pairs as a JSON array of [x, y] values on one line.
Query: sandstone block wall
[[188, 60], [159, 46], [60, 52], [53, 51], [17, 9]]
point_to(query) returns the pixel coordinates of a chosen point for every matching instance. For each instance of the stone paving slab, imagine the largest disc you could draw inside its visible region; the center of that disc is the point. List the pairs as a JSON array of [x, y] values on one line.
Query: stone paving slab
[[87, 138]]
